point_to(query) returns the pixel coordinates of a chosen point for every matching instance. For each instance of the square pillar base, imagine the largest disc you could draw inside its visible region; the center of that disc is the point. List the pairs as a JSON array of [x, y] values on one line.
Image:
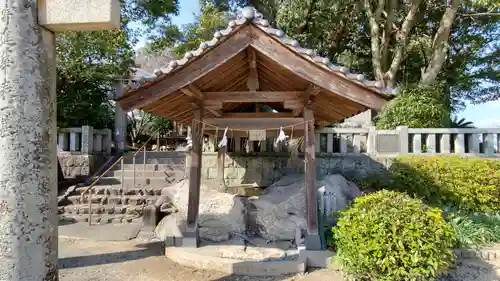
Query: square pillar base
[[190, 238], [313, 242]]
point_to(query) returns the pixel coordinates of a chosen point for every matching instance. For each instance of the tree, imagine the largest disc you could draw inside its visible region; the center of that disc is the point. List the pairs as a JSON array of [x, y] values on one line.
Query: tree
[[401, 42], [456, 123], [89, 63], [189, 37]]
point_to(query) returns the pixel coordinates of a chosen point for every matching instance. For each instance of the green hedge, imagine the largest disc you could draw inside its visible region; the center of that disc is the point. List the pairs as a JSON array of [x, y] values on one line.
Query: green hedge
[[389, 236], [470, 184]]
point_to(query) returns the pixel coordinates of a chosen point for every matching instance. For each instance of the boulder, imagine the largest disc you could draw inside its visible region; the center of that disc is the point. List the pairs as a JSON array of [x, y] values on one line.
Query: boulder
[[217, 210], [170, 228], [281, 209]]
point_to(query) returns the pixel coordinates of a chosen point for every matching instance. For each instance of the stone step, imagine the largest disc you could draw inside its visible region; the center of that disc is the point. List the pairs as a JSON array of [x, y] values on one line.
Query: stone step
[[81, 209], [151, 160], [114, 200], [98, 219], [150, 167], [116, 190], [148, 174], [140, 182]]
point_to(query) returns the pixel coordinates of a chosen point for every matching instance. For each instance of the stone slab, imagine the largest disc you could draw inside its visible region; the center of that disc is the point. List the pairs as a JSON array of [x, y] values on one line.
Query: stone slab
[[79, 15], [104, 232], [192, 258]]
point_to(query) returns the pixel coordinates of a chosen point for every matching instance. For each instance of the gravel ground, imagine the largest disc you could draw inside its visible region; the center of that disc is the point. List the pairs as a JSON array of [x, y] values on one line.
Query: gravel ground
[[87, 260]]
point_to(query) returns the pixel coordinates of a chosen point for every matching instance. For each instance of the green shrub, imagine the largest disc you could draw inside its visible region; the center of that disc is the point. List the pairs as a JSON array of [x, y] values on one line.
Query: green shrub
[[416, 107], [470, 184], [389, 236]]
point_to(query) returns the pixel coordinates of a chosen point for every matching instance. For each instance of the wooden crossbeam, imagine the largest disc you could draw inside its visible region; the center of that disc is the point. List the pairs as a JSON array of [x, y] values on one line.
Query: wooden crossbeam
[[192, 91], [252, 96], [307, 96], [257, 115]]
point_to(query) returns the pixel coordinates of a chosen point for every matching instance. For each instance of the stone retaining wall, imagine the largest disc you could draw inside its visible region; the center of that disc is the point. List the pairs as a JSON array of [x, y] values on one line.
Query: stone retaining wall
[[266, 168], [79, 165]]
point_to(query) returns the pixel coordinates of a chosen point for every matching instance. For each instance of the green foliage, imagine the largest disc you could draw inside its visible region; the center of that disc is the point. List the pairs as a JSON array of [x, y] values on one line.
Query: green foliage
[[388, 236], [415, 107], [475, 230], [190, 36], [469, 184], [461, 123], [339, 30], [89, 63]]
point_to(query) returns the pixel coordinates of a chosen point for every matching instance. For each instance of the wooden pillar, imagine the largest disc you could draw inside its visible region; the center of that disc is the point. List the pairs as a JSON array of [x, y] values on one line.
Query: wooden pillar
[[221, 158], [313, 241], [191, 236]]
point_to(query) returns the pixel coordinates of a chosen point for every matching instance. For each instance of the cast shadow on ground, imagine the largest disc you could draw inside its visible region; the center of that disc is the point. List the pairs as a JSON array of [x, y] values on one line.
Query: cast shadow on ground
[[474, 269], [144, 251]]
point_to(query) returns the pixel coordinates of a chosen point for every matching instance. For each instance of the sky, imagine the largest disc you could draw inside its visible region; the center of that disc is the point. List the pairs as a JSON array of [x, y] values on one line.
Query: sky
[[486, 115]]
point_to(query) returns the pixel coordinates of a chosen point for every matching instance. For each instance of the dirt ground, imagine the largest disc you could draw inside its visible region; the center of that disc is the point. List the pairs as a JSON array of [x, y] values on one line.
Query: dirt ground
[[88, 260]]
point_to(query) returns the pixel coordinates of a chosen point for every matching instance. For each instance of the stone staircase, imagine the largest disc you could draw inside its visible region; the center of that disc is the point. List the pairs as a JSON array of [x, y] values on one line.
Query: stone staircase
[[114, 202]]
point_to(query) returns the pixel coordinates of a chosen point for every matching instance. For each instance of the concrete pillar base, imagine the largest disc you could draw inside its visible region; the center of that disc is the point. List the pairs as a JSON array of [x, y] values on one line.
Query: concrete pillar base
[[313, 242], [190, 238]]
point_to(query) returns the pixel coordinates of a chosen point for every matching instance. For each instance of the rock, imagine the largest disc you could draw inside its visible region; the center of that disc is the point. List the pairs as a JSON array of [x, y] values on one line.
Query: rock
[[214, 234], [281, 210], [170, 228], [216, 210]]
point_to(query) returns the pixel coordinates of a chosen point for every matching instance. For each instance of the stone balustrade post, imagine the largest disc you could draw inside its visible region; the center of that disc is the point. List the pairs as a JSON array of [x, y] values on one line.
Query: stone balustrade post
[[74, 141], [62, 140], [106, 142], [98, 143], [403, 139], [87, 140]]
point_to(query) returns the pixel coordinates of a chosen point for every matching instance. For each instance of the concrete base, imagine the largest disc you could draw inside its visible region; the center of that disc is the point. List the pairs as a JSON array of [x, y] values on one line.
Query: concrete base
[[190, 238], [313, 242], [192, 258]]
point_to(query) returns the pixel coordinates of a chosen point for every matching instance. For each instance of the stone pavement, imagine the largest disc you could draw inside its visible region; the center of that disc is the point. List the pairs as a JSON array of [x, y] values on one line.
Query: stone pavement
[[100, 232]]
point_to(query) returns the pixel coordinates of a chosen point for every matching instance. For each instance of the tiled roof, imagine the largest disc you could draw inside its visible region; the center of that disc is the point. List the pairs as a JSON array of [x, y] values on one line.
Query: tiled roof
[[249, 15]]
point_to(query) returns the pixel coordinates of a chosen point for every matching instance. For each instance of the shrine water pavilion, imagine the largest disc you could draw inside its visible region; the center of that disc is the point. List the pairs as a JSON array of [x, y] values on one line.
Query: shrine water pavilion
[[228, 81]]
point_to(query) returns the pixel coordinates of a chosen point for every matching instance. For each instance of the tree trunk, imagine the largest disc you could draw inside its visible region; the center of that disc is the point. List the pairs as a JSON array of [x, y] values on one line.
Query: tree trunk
[[440, 44], [28, 147]]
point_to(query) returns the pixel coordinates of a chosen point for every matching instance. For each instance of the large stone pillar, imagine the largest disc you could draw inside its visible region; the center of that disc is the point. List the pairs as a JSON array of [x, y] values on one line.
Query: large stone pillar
[[313, 241], [191, 234], [28, 146], [120, 128]]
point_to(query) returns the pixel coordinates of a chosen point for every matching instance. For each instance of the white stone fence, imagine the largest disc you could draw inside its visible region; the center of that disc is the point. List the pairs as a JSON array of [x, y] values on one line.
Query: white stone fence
[[468, 141], [369, 141], [84, 140]]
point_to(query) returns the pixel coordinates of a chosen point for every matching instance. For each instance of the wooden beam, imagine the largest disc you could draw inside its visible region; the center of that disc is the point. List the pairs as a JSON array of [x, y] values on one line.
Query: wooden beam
[[253, 76], [253, 123], [252, 96], [257, 115], [308, 94], [191, 91], [191, 72], [326, 79], [195, 169]]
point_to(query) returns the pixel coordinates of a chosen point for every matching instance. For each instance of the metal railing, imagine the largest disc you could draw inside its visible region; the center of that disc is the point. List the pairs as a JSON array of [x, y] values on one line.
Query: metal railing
[[119, 160]]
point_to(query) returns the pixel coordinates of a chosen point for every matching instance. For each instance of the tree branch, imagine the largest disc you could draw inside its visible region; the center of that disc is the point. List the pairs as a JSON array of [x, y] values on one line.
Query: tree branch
[[480, 14], [403, 35], [386, 36], [440, 44], [374, 38]]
